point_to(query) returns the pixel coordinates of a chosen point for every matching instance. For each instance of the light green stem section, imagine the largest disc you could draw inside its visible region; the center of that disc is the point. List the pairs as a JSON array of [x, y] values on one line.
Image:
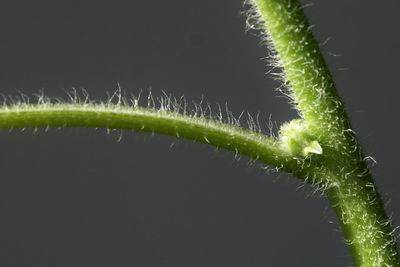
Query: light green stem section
[[304, 67], [364, 222], [200, 129], [351, 189]]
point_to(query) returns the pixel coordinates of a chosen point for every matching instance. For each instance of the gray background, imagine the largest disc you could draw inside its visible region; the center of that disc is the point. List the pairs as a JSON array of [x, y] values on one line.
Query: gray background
[[78, 197]]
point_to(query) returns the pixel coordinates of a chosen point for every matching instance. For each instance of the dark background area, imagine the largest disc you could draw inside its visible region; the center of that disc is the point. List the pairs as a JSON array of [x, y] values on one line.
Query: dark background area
[[78, 197]]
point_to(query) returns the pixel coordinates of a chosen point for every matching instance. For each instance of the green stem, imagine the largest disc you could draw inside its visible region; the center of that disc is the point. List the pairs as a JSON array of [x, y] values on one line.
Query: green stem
[[228, 136], [338, 166], [363, 219], [305, 72], [351, 189]]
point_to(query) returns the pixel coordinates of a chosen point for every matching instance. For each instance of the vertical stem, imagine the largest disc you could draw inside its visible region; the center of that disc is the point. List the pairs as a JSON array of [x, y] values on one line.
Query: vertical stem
[[305, 71], [362, 217], [352, 192]]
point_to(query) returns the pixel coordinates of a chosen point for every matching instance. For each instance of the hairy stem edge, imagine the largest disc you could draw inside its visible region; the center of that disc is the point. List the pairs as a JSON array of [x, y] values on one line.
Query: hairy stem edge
[[200, 129], [309, 82]]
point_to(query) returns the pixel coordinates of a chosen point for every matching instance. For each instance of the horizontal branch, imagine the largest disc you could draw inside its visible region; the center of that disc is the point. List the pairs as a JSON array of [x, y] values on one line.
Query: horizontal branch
[[200, 129]]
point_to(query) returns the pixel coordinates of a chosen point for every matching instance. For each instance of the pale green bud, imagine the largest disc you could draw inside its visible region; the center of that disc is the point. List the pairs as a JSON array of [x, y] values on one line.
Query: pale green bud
[[294, 137]]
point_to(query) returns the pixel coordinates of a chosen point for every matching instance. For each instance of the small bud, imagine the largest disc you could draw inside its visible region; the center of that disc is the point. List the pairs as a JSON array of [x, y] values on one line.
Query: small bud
[[295, 138]]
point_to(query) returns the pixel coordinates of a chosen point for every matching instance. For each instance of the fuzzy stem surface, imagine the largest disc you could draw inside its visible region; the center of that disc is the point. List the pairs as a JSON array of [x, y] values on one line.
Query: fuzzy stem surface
[[201, 129], [350, 189]]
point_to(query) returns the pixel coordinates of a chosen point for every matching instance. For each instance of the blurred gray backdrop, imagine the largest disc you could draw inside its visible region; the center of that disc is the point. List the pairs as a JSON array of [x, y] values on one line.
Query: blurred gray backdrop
[[78, 197]]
